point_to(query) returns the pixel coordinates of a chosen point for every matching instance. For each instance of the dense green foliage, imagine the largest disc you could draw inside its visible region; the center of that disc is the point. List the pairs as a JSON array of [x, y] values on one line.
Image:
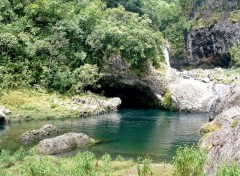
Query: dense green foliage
[[235, 54], [44, 43]]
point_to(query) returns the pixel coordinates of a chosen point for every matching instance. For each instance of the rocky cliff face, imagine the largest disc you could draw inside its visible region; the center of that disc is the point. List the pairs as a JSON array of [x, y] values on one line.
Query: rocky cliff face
[[222, 144], [215, 28]]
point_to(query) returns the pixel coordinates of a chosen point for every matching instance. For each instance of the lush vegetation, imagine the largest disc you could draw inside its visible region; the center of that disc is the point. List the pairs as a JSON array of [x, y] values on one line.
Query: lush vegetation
[[47, 44], [51, 44]]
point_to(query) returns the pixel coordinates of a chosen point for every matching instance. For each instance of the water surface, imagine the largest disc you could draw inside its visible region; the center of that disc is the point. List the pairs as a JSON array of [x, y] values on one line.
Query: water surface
[[130, 133]]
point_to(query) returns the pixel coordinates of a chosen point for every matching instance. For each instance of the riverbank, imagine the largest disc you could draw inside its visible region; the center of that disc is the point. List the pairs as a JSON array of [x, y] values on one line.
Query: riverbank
[[26, 105], [29, 163]]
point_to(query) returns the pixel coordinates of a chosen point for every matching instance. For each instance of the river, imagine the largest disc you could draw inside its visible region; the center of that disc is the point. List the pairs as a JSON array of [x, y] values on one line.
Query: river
[[130, 133]]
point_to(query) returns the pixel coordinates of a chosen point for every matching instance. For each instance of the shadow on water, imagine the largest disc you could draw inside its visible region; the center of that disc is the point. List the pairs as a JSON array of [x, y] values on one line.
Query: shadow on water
[[129, 132]]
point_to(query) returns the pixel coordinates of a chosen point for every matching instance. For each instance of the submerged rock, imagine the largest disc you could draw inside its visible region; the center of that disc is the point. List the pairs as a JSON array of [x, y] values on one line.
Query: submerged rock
[[43, 132], [63, 143], [223, 145]]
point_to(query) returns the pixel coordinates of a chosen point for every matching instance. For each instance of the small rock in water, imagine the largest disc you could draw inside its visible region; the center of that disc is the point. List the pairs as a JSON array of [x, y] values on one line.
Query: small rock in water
[[35, 135], [63, 143]]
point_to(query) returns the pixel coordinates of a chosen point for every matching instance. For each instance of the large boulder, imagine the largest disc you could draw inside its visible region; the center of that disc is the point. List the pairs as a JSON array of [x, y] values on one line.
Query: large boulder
[[223, 144], [191, 95], [63, 143], [195, 96], [35, 135]]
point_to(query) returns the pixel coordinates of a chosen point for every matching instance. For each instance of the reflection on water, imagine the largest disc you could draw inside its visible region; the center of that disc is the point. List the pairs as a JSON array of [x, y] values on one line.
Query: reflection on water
[[130, 133]]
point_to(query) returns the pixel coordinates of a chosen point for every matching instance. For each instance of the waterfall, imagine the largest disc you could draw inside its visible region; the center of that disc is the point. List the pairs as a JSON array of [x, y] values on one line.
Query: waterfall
[[166, 55]]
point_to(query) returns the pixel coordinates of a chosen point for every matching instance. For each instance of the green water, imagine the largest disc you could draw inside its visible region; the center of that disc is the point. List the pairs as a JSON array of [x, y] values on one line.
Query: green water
[[130, 133]]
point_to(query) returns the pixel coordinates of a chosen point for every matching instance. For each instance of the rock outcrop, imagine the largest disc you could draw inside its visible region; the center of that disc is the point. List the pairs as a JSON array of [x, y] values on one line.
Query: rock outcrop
[[149, 89], [223, 144], [63, 143], [135, 88], [90, 105], [4, 112], [215, 29], [36, 135], [196, 96], [191, 95]]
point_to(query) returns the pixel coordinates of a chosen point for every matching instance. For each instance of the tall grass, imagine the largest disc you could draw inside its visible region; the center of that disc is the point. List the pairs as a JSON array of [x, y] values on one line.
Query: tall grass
[[144, 166], [85, 165], [189, 161], [229, 170]]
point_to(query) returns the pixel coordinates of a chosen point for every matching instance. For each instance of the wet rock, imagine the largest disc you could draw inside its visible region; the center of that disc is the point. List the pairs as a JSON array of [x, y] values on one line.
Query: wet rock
[[35, 135], [63, 143]]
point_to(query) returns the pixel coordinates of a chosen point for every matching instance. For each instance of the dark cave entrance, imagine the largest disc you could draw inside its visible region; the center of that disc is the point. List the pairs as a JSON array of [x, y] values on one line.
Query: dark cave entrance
[[132, 98], [2, 121], [135, 97]]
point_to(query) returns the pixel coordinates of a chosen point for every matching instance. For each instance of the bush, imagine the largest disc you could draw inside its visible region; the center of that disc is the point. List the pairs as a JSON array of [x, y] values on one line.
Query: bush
[[189, 161], [235, 54], [86, 75], [167, 101]]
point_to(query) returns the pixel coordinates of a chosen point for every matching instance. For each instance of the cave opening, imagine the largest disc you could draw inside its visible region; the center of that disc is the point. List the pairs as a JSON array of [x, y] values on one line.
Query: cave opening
[[131, 97], [2, 121]]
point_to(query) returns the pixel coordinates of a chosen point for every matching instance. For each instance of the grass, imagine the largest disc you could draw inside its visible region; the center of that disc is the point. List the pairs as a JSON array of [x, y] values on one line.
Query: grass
[[83, 164], [34, 105], [229, 170], [189, 161], [209, 127]]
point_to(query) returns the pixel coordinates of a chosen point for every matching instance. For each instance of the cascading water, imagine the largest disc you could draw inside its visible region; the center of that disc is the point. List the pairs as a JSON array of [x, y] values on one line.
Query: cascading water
[[166, 55]]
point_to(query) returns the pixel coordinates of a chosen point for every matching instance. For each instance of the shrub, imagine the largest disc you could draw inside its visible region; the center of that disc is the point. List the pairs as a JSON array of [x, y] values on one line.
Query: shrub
[[167, 101], [235, 54], [189, 161], [86, 75]]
